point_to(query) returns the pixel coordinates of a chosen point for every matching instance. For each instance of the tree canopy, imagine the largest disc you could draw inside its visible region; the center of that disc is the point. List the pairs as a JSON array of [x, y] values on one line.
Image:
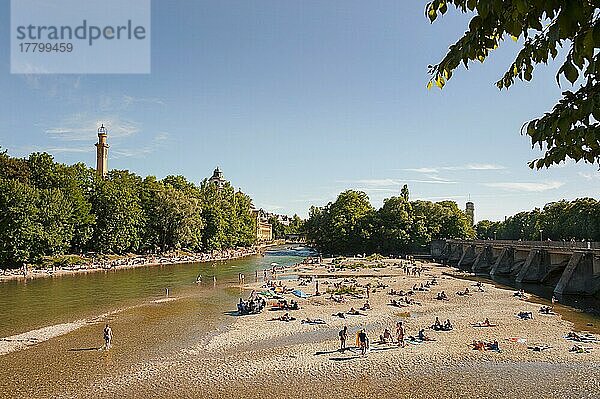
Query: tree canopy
[[51, 209], [561, 220], [351, 225], [572, 128]]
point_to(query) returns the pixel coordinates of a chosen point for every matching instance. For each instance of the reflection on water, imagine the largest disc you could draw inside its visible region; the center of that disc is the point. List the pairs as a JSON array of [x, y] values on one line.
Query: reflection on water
[[28, 305]]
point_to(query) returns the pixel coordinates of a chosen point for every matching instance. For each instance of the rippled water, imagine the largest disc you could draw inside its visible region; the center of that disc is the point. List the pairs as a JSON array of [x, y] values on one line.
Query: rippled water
[[28, 305]]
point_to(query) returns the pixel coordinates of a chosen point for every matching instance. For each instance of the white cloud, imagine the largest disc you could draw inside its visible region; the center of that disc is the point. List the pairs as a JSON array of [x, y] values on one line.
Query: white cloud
[[26, 150], [80, 127], [156, 143], [422, 170], [397, 182], [471, 166], [128, 100], [526, 186], [590, 176]]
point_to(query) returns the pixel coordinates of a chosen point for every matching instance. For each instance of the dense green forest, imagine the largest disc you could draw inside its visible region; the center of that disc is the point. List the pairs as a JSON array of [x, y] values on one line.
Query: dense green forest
[[48, 209], [562, 220], [351, 225]]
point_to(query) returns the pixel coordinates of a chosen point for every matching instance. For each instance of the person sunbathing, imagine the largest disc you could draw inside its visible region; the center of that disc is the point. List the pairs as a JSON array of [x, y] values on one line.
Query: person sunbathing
[[340, 315], [546, 310], [579, 349], [441, 296], [424, 337], [493, 346], [574, 336], [286, 317], [313, 321], [525, 315], [366, 306], [478, 345], [355, 312], [447, 325]]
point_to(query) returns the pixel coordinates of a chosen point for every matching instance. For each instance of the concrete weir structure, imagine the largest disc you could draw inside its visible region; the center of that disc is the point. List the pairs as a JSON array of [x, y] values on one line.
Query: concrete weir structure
[[570, 267]]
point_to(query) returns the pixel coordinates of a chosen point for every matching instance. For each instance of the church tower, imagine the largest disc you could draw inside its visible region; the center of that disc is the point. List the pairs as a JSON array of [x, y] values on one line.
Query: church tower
[[102, 152], [470, 211]]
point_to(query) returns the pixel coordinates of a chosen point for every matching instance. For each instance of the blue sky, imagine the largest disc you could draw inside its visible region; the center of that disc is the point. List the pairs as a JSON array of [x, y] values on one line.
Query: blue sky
[[299, 100]]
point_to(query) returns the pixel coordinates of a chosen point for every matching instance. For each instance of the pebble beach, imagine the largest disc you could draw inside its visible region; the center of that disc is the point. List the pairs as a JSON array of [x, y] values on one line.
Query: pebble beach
[[257, 356]]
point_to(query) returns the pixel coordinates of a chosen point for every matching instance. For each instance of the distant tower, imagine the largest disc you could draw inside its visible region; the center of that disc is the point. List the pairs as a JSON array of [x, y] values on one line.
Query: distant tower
[[470, 211], [102, 152], [217, 178]]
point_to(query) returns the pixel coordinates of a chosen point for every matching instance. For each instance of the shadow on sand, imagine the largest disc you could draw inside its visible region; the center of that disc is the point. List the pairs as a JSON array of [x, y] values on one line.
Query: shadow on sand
[[84, 349]]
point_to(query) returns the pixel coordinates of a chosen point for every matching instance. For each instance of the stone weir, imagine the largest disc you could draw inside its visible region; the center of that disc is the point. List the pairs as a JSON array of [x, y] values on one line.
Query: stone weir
[[570, 267]]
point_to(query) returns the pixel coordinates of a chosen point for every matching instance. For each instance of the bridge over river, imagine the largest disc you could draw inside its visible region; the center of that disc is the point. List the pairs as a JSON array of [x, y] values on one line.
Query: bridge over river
[[570, 267]]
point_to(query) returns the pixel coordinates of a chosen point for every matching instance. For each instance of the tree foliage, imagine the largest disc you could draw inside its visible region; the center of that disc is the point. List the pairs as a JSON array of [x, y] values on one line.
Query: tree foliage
[[51, 209], [561, 220], [572, 128], [351, 225]]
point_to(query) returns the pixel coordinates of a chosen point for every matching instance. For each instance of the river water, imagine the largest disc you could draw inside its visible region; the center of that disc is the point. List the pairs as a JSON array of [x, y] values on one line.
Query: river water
[[146, 324], [32, 304]]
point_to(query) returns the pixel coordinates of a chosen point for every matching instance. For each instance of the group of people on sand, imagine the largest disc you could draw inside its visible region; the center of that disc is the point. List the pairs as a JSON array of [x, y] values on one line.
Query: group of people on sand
[[441, 296], [362, 340], [486, 346], [254, 304], [283, 304], [403, 302], [438, 326], [412, 271]]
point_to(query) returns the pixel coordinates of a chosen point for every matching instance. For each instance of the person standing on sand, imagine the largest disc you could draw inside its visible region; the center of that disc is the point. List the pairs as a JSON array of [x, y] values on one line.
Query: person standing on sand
[[362, 338], [107, 337], [368, 291], [343, 337], [400, 333]]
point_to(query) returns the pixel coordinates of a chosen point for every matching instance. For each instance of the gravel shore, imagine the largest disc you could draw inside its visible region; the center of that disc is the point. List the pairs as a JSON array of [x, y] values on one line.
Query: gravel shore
[[256, 356]]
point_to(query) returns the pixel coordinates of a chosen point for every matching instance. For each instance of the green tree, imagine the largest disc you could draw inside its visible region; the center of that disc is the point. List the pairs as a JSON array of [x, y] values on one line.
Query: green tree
[[19, 227], [119, 217], [394, 224], [572, 128], [486, 230], [173, 216], [296, 226], [278, 228]]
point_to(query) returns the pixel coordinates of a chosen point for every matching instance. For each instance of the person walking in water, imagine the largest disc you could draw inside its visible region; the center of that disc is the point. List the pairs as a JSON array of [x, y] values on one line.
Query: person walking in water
[[107, 337], [343, 338]]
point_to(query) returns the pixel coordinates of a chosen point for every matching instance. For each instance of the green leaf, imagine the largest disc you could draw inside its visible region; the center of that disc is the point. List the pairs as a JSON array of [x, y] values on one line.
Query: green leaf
[[570, 72], [432, 14], [443, 8]]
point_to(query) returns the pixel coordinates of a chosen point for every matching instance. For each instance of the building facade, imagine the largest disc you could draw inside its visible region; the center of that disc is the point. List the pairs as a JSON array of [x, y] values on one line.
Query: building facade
[[264, 230]]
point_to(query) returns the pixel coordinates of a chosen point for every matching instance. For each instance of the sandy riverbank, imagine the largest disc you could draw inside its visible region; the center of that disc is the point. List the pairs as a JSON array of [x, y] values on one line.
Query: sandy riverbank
[[256, 356], [132, 261]]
